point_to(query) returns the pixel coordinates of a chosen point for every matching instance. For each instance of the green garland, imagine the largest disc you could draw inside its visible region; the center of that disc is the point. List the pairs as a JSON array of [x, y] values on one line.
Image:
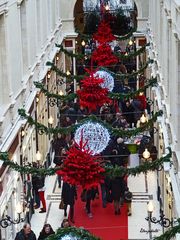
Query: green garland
[[150, 83], [119, 38], [117, 171], [42, 129], [133, 54], [110, 171], [79, 233], [129, 75], [70, 54], [171, 233], [126, 36], [119, 55], [55, 97], [117, 76], [69, 78]]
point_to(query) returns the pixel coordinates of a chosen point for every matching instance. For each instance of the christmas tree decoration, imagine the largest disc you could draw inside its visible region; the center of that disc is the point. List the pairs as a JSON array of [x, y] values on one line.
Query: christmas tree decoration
[[108, 80], [104, 33], [95, 136], [103, 56], [81, 167], [91, 94]]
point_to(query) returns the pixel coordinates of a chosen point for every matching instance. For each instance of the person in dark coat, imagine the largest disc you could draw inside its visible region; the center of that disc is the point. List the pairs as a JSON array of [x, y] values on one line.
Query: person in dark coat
[[46, 231], [26, 233], [69, 194], [117, 192], [128, 110]]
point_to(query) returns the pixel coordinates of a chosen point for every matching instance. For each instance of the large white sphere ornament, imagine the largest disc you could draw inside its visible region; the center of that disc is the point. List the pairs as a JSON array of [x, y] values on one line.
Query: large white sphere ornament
[[108, 79], [95, 135]]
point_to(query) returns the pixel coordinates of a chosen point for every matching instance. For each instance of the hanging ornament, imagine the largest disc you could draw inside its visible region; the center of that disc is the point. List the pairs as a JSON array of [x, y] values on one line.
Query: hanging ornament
[[80, 167], [91, 94], [95, 135], [108, 80]]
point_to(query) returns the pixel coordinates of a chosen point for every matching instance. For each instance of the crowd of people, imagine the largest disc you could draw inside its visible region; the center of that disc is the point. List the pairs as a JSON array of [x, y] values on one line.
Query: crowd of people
[[121, 114], [26, 233]]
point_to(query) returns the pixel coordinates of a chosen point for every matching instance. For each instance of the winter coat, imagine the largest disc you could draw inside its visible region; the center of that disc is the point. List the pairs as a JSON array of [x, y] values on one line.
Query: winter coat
[[68, 194], [21, 236], [44, 235], [38, 182], [117, 188]]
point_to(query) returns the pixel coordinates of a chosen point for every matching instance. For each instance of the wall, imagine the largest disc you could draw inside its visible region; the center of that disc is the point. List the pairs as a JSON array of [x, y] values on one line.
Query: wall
[[164, 36]]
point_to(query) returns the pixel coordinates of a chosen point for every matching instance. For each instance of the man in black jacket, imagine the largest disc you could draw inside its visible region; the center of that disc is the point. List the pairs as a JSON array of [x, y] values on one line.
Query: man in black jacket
[[26, 233]]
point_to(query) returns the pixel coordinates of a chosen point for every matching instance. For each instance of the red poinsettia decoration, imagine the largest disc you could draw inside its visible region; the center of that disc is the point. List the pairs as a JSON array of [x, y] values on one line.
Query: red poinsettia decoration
[[104, 56], [104, 33], [91, 94], [81, 168]]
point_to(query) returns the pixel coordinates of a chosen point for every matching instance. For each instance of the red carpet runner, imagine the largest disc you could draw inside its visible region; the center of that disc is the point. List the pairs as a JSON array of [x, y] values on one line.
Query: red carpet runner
[[104, 224]]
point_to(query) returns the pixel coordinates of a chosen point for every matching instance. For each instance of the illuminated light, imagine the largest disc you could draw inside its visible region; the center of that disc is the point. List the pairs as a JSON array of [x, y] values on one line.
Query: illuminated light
[[51, 120], [130, 42], [146, 154], [37, 99], [143, 119], [61, 93], [68, 73], [57, 58], [95, 136], [150, 206], [83, 43], [22, 133], [126, 54], [19, 208], [49, 75], [107, 8], [108, 80], [38, 156]]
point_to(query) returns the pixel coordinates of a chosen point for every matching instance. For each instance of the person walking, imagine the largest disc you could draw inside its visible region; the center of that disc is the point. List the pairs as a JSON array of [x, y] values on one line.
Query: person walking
[[69, 194], [45, 232], [128, 199], [41, 191], [117, 192], [26, 233]]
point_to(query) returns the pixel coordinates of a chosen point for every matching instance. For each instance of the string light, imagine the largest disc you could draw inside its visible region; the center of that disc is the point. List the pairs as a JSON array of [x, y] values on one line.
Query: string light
[[108, 80], [94, 135]]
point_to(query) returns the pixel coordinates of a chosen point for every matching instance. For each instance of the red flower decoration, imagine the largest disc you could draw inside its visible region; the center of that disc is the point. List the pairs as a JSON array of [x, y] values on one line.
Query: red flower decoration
[[81, 168]]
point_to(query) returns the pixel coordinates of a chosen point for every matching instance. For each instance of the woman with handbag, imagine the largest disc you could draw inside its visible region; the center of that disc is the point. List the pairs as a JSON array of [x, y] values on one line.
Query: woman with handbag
[[69, 194]]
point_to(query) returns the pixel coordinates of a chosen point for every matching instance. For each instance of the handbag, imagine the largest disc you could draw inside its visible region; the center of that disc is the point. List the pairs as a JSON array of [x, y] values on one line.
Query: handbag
[[61, 205]]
